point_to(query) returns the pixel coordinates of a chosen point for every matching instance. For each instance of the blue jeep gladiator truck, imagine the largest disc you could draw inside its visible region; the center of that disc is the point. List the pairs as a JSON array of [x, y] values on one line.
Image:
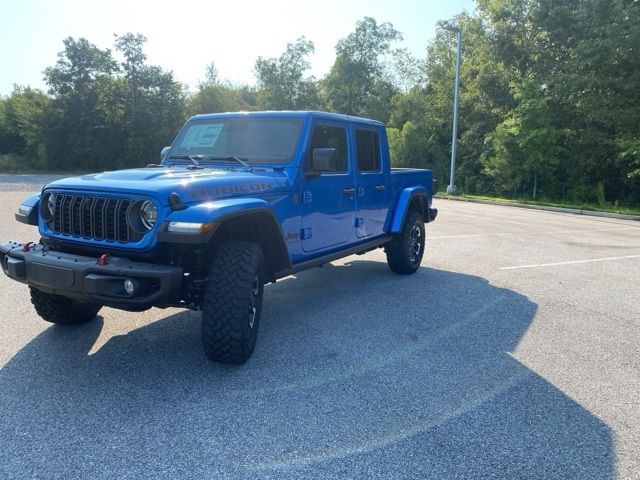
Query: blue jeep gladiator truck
[[237, 201]]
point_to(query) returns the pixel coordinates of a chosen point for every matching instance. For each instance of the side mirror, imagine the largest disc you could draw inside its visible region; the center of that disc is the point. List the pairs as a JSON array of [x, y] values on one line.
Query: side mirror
[[163, 152], [324, 160]]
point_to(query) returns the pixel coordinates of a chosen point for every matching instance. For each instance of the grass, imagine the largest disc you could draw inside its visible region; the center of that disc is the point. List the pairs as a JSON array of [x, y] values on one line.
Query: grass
[[17, 165], [35, 171], [609, 208]]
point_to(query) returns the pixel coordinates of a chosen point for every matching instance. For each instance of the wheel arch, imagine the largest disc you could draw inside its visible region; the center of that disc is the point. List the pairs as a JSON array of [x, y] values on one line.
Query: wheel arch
[[411, 198], [244, 219], [258, 226]]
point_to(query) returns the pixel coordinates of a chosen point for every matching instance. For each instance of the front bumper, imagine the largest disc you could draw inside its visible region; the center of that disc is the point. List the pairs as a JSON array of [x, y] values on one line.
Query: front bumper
[[84, 278]]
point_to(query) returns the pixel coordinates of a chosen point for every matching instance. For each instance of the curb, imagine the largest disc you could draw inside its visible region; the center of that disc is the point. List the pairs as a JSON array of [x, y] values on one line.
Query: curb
[[592, 213]]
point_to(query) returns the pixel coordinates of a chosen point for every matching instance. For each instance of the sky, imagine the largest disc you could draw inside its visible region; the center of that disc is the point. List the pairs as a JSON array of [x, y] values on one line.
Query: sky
[[184, 36]]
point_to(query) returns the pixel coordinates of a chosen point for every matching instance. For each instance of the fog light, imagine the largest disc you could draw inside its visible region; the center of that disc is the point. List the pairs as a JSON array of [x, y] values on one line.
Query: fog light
[[129, 287]]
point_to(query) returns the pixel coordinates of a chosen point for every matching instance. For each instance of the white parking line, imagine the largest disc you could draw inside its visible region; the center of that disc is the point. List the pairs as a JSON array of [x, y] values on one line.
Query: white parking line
[[553, 264], [591, 231], [471, 235]]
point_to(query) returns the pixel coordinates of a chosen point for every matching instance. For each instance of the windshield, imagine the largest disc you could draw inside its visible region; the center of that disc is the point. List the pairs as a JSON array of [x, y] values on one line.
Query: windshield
[[255, 140]]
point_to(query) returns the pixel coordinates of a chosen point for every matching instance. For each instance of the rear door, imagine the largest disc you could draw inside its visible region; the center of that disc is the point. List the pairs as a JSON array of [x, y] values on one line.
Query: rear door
[[371, 178], [329, 200]]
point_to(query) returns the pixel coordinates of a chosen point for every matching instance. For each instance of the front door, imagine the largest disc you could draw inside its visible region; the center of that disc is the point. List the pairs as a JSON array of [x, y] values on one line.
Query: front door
[[329, 200]]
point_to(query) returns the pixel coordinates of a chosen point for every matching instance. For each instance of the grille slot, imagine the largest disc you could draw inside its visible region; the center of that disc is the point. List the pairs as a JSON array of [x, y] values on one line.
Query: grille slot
[[66, 214], [76, 218], [87, 217], [110, 219], [92, 217], [122, 224], [98, 215]]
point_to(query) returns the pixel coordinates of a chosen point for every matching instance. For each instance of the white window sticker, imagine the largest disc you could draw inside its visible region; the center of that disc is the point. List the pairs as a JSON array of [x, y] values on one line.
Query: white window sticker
[[202, 136]]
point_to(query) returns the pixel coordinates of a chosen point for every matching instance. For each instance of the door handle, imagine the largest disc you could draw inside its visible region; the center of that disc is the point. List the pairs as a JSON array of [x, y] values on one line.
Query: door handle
[[348, 191], [379, 188]]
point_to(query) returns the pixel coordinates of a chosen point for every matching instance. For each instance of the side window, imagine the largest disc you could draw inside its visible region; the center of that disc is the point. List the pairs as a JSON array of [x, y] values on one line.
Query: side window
[[368, 151], [332, 137]]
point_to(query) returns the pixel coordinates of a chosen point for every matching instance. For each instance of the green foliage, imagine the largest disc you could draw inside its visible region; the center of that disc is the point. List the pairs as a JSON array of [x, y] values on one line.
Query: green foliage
[[526, 147], [154, 103], [549, 100], [22, 127], [281, 82], [214, 95], [356, 84], [99, 113], [406, 69]]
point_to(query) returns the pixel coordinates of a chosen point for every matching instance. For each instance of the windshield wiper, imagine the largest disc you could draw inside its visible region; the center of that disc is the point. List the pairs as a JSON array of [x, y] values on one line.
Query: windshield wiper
[[193, 158], [232, 157], [197, 158]]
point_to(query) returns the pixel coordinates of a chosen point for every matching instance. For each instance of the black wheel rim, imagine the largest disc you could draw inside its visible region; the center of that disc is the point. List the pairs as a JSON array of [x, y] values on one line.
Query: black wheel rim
[[415, 243], [253, 309]]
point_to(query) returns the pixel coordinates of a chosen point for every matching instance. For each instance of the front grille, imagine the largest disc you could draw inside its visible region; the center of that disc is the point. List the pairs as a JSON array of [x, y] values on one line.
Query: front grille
[[93, 217]]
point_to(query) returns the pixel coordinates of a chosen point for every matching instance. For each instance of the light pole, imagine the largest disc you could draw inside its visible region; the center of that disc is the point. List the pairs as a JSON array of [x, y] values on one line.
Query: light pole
[[451, 189]]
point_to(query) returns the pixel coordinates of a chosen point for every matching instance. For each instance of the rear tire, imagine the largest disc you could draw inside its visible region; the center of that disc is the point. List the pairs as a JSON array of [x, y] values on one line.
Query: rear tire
[[405, 251], [233, 302], [62, 310]]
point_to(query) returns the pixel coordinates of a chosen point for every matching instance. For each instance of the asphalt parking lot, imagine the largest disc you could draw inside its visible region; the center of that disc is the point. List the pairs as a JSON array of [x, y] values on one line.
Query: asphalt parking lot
[[512, 353]]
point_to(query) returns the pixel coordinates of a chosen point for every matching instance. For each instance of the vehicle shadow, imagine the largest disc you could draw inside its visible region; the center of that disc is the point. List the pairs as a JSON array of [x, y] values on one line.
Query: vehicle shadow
[[358, 373]]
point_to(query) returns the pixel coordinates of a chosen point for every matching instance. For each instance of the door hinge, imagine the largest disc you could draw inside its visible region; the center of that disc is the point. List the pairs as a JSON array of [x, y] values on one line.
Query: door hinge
[[307, 197], [306, 233]]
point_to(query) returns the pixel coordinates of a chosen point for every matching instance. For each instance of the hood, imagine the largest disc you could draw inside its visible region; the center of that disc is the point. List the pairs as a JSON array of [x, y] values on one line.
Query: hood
[[193, 185]]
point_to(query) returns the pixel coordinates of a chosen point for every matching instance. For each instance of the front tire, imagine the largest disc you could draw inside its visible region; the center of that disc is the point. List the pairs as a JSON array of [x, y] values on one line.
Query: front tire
[[405, 251], [62, 310], [233, 302]]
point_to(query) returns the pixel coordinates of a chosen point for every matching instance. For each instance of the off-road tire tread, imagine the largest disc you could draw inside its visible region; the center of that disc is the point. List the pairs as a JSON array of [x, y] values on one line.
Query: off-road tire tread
[[224, 307], [62, 310], [396, 250]]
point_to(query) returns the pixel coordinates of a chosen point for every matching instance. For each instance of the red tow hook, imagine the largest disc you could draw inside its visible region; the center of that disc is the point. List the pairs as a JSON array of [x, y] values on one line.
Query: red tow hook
[[25, 247], [103, 259]]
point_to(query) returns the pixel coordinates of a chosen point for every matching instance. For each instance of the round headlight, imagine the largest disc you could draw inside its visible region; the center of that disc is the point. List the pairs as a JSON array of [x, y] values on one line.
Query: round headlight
[[148, 214], [47, 206], [51, 204]]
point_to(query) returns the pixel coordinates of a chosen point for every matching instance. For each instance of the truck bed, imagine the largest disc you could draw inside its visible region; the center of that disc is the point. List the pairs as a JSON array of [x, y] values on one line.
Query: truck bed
[[410, 177]]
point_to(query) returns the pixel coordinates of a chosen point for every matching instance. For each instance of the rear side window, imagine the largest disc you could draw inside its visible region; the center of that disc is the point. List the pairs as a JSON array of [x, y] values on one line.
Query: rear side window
[[332, 137], [368, 151]]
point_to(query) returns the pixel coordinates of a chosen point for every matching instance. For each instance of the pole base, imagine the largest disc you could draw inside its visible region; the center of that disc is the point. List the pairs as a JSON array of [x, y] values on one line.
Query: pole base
[[451, 190]]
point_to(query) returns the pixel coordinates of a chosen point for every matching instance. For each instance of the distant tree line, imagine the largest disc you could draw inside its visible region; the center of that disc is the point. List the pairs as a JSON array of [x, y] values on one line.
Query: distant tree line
[[550, 100]]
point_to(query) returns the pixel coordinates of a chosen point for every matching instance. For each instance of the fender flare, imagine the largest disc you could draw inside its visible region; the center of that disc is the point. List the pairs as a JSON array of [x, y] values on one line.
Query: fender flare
[[213, 211], [402, 206], [31, 217], [221, 211]]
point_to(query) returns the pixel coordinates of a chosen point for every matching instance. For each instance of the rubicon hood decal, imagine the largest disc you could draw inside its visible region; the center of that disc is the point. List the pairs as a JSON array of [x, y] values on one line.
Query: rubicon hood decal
[[230, 189]]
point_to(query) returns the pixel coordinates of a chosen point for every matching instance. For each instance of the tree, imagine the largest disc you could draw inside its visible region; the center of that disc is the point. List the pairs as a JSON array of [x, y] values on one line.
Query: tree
[[281, 81], [526, 147], [154, 103], [549, 99], [356, 83], [135, 70], [214, 95], [22, 125], [407, 69], [82, 116], [211, 75]]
